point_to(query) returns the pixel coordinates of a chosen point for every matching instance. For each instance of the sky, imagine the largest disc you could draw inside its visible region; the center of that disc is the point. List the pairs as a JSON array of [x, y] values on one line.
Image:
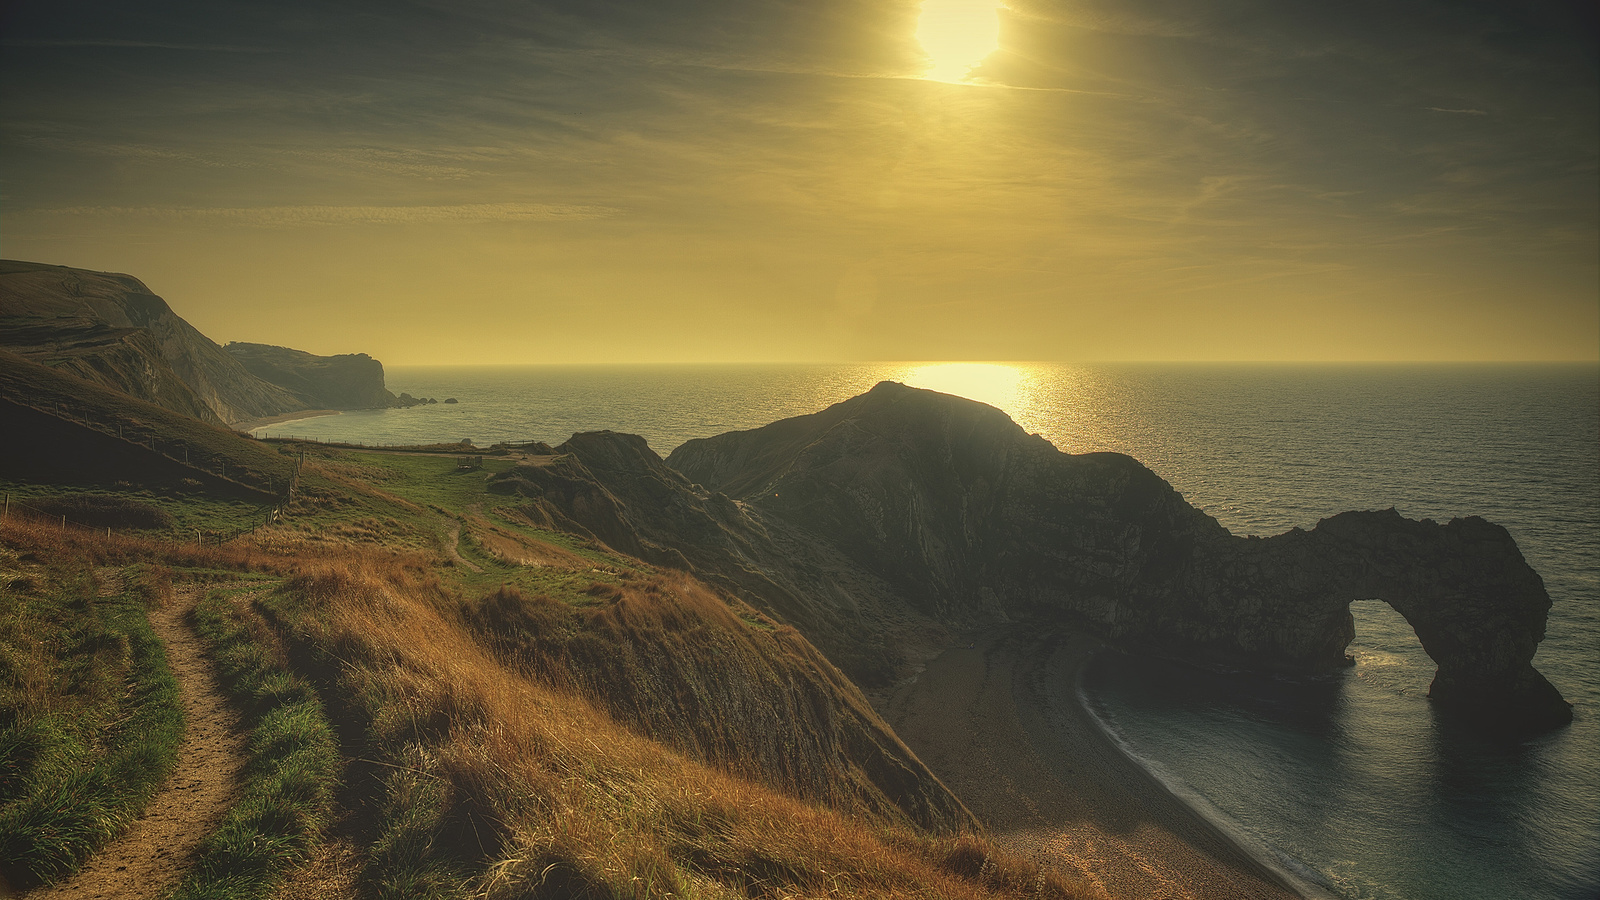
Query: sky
[[812, 180]]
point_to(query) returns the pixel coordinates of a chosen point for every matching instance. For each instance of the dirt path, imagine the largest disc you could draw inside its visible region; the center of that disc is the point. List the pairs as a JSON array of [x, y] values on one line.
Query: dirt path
[[150, 857], [452, 546]]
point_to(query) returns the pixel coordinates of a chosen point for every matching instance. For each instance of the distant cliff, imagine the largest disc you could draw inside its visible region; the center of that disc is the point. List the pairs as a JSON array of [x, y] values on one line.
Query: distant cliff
[[111, 330], [345, 381]]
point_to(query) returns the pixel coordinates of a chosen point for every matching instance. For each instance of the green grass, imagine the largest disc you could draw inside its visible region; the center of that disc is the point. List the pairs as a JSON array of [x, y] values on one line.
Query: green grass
[[99, 409], [401, 500], [90, 720], [430, 480], [184, 512], [294, 764]]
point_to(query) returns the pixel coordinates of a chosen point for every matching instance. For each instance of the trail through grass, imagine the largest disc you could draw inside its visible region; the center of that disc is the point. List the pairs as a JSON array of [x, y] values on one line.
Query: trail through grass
[[90, 721]]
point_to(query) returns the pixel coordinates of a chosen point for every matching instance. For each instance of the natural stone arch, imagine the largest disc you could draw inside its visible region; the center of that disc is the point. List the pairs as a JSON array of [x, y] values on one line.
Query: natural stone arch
[[1477, 607]]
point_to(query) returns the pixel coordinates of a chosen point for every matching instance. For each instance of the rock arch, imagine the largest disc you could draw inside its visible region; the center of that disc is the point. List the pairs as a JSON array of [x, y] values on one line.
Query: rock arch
[[1476, 605]]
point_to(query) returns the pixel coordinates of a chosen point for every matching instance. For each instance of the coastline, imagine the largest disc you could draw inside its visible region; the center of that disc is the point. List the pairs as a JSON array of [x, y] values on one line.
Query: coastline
[[250, 425], [1001, 719]]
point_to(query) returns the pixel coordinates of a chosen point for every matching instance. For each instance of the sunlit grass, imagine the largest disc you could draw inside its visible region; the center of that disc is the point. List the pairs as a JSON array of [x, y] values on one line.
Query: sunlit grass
[[505, 785]]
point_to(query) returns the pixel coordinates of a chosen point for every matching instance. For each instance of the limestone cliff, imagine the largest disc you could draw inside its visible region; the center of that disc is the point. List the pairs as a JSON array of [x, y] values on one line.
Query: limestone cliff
[[966, 516], [343, 381], [111, 330]]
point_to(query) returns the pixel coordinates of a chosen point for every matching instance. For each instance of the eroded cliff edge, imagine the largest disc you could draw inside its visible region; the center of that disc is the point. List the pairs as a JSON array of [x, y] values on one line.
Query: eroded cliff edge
[[965, 517]]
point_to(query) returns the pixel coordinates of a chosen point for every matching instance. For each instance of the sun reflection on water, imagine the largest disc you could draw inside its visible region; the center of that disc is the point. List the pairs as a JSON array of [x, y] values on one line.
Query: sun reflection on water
[[1014, 389]]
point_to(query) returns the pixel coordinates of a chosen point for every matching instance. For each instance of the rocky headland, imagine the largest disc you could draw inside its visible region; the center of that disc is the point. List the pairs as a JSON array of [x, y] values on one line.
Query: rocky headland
[[341, 381], [904, 508], [111, 330]]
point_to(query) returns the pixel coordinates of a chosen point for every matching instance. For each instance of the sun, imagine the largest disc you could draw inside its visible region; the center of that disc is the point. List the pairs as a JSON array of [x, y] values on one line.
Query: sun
[[957, 35]]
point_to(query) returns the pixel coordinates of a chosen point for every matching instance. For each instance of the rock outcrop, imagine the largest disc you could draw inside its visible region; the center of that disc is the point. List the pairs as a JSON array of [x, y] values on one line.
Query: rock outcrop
[[111, 330], [965, 516], [343, 381]]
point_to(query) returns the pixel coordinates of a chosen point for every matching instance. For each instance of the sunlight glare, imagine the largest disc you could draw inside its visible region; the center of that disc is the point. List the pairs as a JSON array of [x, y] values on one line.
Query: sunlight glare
[[957, 35], [998, 385]]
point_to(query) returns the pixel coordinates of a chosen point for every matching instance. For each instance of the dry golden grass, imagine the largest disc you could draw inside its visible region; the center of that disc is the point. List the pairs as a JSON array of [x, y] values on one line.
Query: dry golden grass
[[561, 800], [563, 760], [521, 550]]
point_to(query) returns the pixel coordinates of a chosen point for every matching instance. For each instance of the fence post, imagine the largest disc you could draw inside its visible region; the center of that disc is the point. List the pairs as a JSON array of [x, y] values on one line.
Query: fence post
[[7, 513]]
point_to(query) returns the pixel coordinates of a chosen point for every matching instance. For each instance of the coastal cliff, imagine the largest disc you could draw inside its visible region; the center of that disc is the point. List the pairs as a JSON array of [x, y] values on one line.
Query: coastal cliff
[[110, 329], [966, 517], [342, 381]]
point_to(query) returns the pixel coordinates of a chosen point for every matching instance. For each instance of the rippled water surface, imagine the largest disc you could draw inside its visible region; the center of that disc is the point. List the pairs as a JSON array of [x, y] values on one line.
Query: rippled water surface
[[1348, 780]]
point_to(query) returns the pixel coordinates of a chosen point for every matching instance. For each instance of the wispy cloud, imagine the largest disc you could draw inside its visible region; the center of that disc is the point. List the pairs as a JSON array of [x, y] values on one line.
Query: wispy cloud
[[1464, 112], [138, 45], [292, 216]]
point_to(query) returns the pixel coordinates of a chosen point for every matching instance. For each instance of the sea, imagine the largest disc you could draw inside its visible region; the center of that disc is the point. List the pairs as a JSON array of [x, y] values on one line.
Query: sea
[[1349, 781]]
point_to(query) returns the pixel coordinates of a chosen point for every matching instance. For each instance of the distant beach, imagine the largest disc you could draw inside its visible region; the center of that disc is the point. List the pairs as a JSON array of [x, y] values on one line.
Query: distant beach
[[253, 425]]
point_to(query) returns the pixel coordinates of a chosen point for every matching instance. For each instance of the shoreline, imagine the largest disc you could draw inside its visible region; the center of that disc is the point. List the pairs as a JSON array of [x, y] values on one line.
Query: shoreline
[[251, 425], [1001, 719]]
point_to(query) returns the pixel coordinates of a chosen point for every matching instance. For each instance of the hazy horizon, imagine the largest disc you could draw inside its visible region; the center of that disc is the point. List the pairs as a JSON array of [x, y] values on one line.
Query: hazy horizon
[[847, 180]]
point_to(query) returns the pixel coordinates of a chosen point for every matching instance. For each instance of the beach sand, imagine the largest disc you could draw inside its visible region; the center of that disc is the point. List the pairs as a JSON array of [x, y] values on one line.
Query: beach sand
[[1002, 725], [252, 424]]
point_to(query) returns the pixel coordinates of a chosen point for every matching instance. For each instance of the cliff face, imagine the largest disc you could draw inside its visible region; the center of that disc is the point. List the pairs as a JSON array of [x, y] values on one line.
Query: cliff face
[[965, 516], [344, 381], [112, 330]]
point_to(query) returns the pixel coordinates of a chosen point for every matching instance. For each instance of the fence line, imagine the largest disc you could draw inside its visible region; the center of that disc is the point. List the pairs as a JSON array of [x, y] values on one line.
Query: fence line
[[168, 450], [18, 508], [416, 448]]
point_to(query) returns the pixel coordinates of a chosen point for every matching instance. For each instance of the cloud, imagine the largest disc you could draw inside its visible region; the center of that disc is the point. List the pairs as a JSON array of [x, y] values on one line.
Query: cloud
[[1464, 112], [139, 45], [292, 216]]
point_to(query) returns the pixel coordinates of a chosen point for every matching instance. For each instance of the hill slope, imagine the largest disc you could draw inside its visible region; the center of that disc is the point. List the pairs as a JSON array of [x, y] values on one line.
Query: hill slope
[[112, 330]]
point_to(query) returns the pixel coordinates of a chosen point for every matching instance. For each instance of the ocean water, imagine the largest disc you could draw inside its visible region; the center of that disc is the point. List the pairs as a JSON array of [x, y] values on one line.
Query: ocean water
[[1348, 780]]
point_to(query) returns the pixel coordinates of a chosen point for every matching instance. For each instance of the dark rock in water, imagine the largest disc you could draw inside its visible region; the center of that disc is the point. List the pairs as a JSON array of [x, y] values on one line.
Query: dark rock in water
[[451, 400], [344, 381], [966, 517]]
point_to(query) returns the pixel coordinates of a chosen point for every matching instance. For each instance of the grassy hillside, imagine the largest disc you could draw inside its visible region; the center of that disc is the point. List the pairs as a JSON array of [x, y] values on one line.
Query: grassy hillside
[[524, 712], [63, 430], [89, 718]]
